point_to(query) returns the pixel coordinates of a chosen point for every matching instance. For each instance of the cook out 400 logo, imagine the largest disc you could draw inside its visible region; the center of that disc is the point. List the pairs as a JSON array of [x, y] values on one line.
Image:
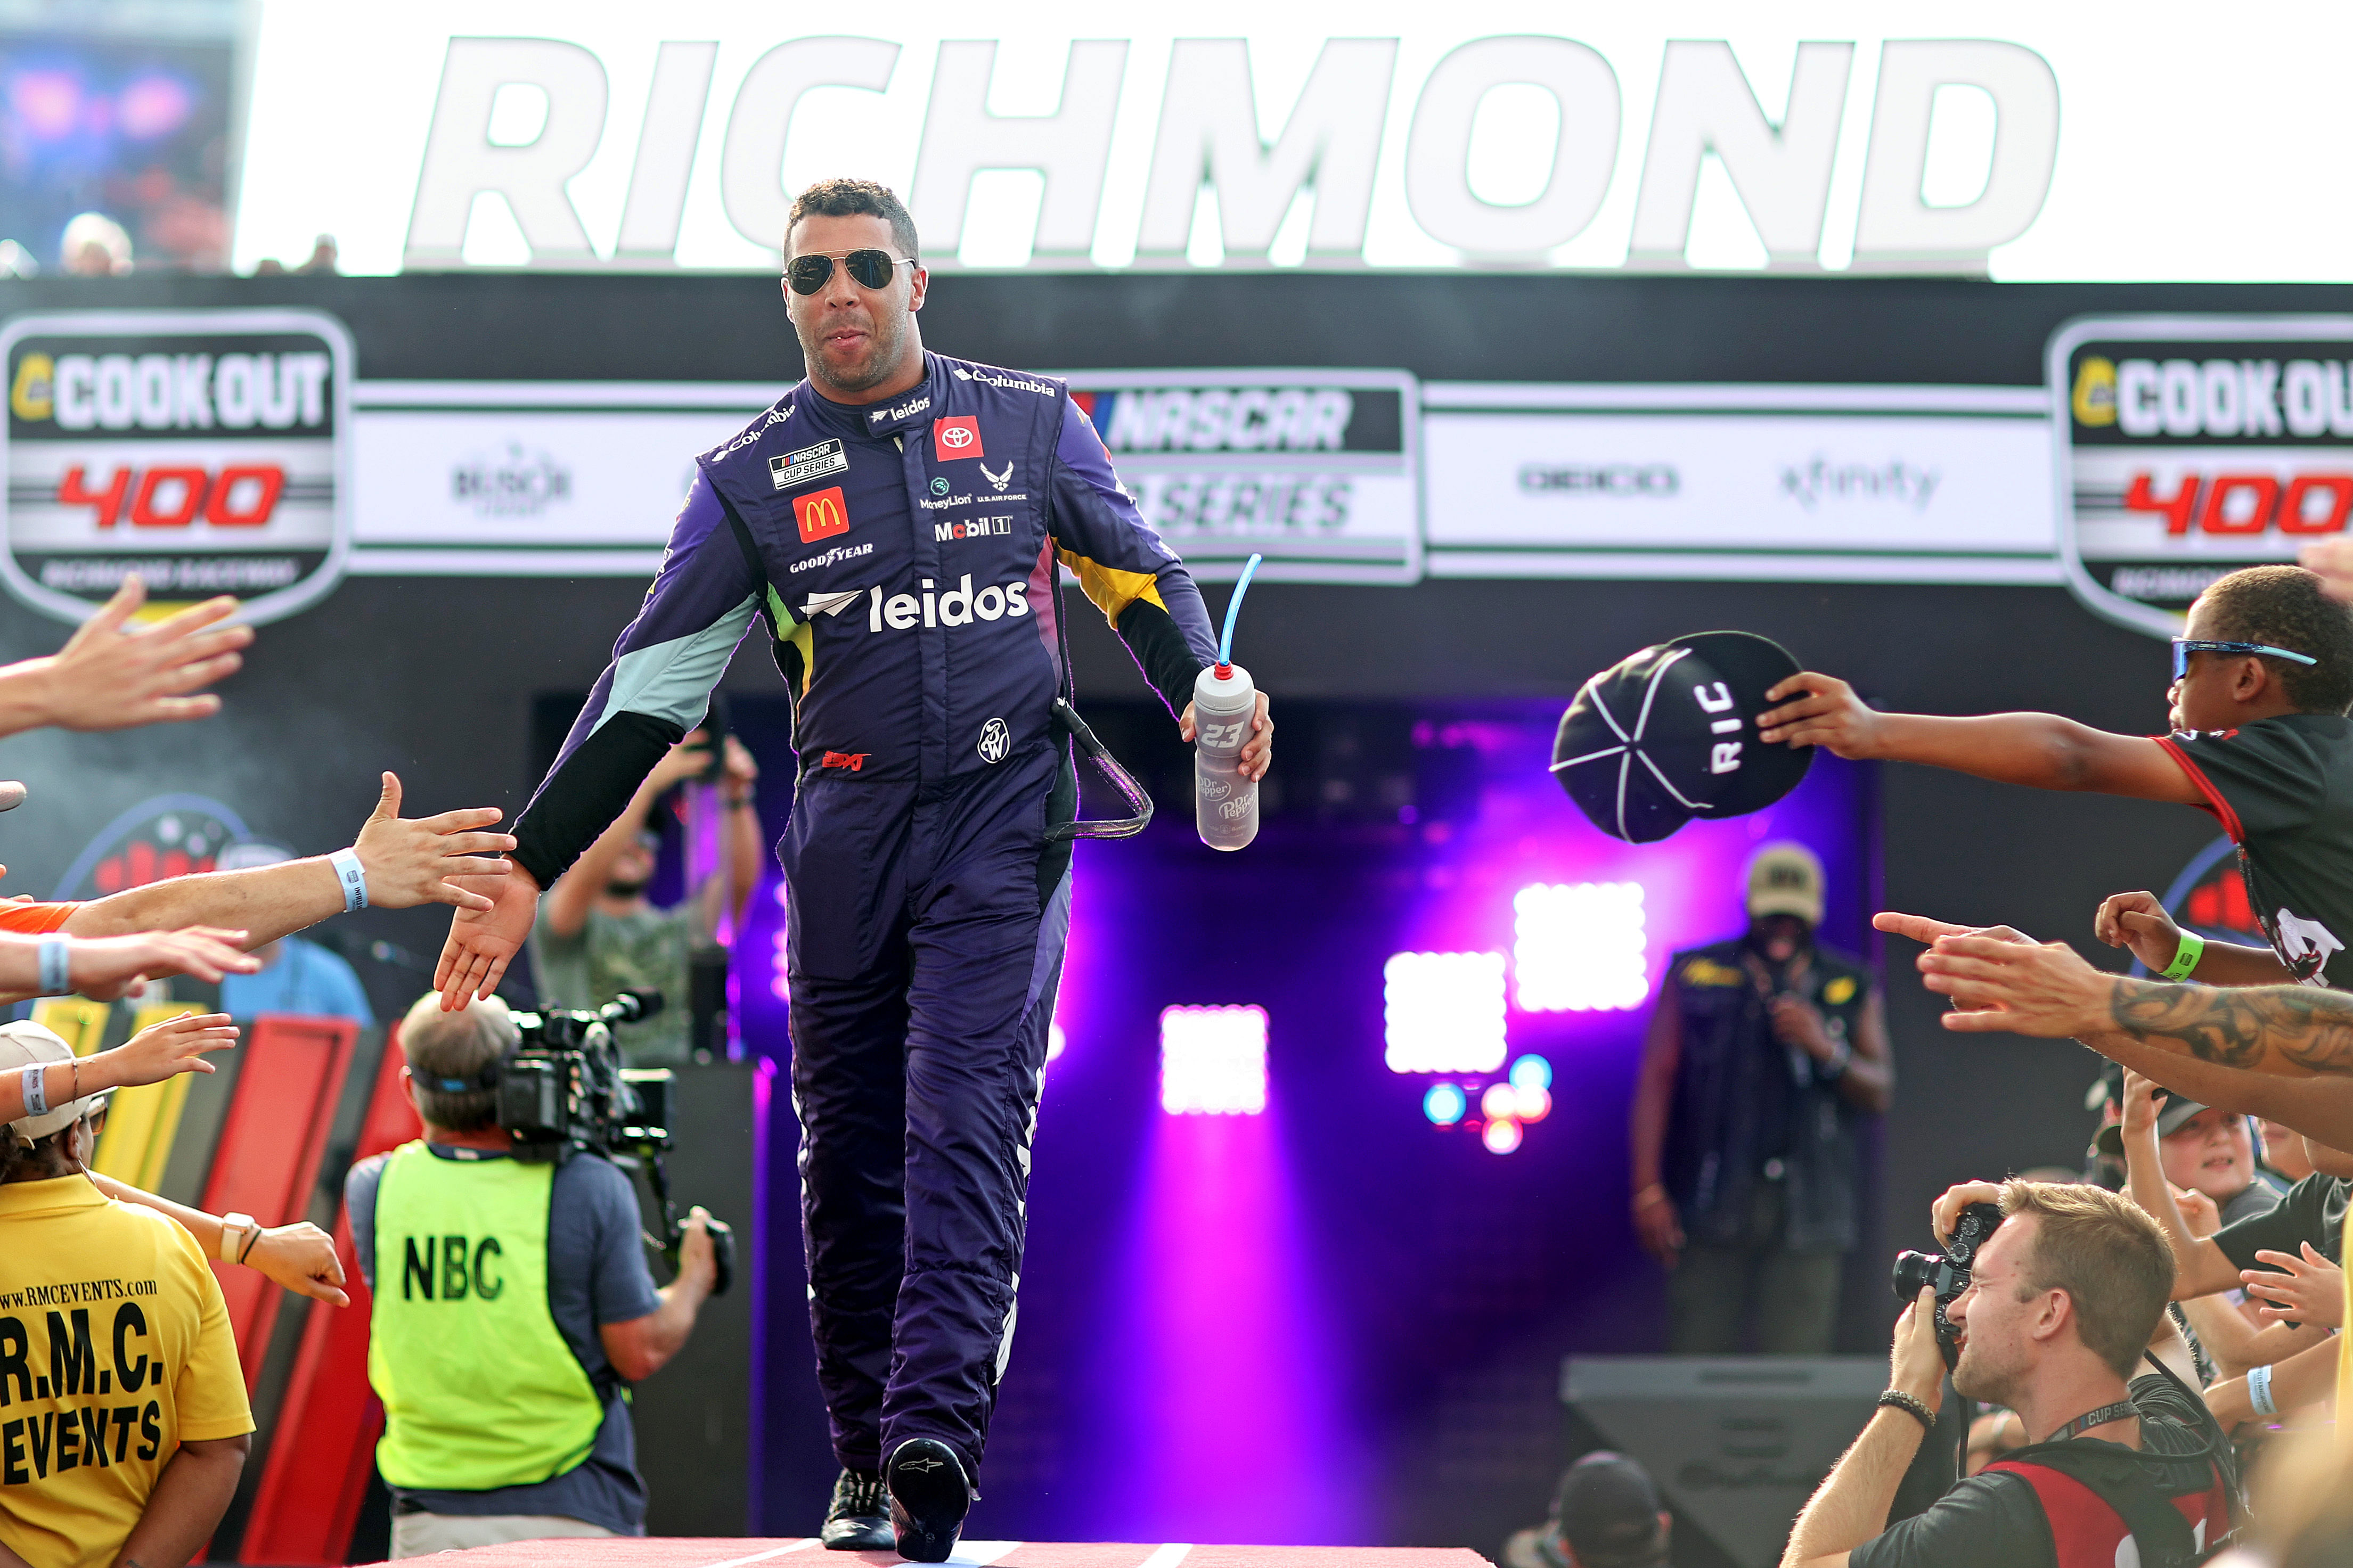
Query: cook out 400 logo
[[204, 450], [2192, 446]]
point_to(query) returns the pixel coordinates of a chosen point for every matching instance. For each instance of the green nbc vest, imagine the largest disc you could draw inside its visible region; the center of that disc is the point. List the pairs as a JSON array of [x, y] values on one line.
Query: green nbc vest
[[479, 1390]]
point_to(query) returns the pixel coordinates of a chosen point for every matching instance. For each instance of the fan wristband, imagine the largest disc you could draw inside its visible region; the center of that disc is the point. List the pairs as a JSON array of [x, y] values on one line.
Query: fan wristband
[[2259, 1392], [2186, 956], [354, 877], [56, 956], [37, 1089], [233, 1228]]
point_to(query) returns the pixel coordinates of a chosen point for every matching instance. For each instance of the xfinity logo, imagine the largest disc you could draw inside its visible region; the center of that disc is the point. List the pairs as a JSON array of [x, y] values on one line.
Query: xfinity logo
[[959, 606], [839, 552], [979, 527], [904, 410], [1600, 479], [1823, 480]]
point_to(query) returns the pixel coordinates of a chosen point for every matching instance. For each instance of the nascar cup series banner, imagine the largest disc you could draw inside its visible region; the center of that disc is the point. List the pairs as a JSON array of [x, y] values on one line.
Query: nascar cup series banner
[[233, 451]]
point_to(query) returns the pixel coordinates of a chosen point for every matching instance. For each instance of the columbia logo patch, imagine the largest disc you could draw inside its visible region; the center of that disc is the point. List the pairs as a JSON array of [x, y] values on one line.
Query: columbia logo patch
[[809, 463]]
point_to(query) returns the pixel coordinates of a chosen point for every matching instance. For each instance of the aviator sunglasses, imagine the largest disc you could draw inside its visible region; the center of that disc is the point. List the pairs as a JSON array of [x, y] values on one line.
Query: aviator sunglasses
[[2184, 647], [867, 270]]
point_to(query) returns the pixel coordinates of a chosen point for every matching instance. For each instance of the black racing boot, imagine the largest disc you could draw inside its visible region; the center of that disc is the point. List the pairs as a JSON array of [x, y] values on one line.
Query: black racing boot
[[858, 1520], [929, 1498]]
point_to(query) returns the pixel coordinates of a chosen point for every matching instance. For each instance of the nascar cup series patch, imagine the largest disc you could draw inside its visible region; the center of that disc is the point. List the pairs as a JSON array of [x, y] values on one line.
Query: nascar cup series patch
[[205, 450], [2188, 447]]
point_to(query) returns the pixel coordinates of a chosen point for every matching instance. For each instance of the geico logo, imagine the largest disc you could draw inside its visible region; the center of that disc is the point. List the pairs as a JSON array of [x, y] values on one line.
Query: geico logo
[[2247, 503], [978, 527], [958, 606], [241, 495], [172, 392], [1602, 478], [1216, 419], [2247, 397]]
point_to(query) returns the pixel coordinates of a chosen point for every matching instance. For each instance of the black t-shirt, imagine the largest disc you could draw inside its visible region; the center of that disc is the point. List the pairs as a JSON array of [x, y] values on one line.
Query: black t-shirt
[[2312, 1211], [1995, 1516], [2283, 790]]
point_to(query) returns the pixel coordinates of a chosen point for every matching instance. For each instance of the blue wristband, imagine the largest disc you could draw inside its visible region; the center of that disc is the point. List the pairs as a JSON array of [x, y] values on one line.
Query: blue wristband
[[56, 966], [354, 877]]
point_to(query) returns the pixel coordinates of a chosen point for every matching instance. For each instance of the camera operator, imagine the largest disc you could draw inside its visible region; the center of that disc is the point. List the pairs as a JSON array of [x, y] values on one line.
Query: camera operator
[[2065, 1296], [502, 1360]]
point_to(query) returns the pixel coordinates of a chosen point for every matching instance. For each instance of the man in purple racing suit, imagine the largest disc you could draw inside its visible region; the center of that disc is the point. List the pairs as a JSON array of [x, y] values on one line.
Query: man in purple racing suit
[[896, 522]]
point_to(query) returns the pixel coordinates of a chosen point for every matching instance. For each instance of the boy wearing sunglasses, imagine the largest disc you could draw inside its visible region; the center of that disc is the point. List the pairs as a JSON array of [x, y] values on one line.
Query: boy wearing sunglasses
[[2262, 680]]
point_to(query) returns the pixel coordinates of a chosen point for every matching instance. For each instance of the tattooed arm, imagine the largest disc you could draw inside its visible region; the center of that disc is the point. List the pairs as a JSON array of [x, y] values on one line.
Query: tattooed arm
[[2280, 1051]]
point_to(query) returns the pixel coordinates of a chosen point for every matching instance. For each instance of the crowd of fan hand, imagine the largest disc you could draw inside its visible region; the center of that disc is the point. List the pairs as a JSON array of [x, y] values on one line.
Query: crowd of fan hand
[[161, 1458]]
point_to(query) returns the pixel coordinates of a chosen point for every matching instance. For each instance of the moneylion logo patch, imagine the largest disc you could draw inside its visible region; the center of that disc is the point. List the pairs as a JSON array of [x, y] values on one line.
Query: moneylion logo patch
[[204, 450]]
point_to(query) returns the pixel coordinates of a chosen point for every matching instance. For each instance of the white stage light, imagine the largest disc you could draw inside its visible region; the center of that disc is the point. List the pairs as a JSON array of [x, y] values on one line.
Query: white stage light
[[1213, 1061], [1445, 1012], [1580, 947]]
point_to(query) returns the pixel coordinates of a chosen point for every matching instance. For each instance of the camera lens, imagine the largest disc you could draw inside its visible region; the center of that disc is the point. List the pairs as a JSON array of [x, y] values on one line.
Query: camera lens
[[1914, 1272]]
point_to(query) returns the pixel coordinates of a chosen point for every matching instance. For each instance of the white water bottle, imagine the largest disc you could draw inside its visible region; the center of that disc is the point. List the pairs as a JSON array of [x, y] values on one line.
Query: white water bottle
[[1224, 803]]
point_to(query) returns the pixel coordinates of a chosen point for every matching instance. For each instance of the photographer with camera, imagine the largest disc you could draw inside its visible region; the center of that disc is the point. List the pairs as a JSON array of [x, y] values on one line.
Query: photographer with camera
[[512, 1304], [2045, 1300]]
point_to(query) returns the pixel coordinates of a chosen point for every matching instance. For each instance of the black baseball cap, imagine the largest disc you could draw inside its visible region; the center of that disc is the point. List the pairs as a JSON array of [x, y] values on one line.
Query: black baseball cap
[[1608, 1512], [1670, 733]]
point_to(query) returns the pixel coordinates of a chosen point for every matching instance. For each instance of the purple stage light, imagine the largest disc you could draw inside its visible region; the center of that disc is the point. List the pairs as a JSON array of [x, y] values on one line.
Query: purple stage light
[[1444, 1012], [1531, 1072], [1213, 1061], [1501, 1136], [1579, 948], [1445, 1104]]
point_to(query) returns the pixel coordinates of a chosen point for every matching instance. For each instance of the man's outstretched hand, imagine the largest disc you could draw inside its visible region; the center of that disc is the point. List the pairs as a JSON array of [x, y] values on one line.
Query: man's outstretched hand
[[111, 678], [485, 935], [428, 860], [2003, 982]]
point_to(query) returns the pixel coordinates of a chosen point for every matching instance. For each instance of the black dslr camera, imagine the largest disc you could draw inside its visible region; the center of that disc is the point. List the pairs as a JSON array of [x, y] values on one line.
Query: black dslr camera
[[1948, 1272], [562, 1089]]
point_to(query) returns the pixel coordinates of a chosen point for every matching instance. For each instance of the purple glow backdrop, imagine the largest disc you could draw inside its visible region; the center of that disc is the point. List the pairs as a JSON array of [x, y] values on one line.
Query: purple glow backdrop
[[1333, 1322]]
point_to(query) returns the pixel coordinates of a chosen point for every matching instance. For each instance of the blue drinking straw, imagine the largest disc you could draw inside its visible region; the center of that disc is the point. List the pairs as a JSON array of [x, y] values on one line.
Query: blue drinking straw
[[1233, 608]]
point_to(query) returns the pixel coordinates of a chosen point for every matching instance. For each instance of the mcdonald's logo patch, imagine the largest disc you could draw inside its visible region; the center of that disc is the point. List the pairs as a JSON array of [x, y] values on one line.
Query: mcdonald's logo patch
[[821, 515]]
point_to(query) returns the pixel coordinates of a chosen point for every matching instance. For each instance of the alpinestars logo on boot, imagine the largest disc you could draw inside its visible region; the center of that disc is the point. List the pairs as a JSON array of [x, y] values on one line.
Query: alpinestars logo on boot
[[821, 515]]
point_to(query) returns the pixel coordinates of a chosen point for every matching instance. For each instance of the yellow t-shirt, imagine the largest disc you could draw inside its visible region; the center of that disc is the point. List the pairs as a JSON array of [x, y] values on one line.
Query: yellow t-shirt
[[114, 1348]]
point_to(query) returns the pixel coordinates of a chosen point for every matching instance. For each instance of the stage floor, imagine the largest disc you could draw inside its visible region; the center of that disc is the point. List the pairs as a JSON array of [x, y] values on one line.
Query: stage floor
[[741, 1553]]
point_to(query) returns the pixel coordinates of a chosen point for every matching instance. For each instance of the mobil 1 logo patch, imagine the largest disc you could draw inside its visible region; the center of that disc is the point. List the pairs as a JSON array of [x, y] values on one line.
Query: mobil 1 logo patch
[[205, 450], [809, 463], [2188, 447]]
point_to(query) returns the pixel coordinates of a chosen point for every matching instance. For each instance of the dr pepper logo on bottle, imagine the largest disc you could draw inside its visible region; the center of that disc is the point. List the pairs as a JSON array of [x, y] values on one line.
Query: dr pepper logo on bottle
[[205, 450]]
